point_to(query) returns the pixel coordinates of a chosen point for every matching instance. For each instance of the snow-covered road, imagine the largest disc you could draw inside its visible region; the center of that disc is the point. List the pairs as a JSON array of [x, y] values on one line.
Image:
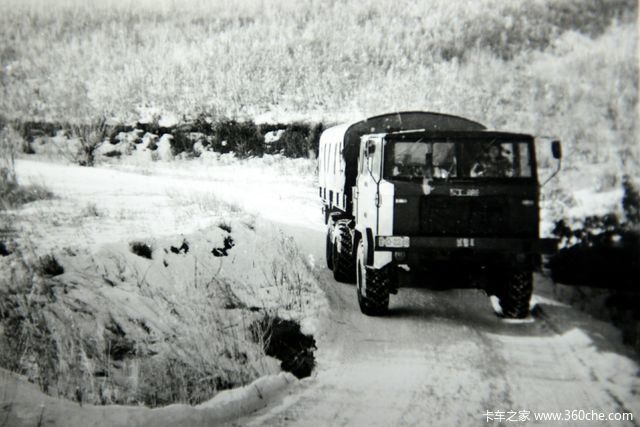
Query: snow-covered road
[[438, 358], [444, 358]]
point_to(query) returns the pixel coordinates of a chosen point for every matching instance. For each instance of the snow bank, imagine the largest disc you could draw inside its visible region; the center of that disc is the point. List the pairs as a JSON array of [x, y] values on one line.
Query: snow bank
[[25, 405], [203, 248], [225, 406], [243, 400]]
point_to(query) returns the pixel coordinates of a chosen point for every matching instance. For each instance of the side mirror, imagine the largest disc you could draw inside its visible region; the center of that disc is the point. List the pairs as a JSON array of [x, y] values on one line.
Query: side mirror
[[556, 149]]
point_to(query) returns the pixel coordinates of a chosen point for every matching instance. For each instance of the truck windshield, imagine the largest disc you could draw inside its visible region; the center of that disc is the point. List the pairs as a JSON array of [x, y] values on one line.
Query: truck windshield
[[409, 160]]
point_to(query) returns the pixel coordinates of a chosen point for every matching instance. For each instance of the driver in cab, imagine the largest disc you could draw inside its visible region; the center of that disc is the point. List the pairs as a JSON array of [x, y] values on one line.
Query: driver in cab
[[494, 163]]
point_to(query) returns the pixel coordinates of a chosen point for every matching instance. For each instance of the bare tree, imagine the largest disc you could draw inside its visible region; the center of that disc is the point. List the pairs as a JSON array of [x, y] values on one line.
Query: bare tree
[[90, 137]]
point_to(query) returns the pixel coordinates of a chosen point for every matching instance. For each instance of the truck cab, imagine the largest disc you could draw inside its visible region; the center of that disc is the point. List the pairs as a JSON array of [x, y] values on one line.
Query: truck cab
[[448, 196]]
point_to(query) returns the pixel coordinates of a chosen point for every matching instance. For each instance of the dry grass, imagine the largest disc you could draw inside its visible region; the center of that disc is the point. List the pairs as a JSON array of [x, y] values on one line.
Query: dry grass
[[12, 194], [290, 278], [216, 354], [115, 328], [74, 351]]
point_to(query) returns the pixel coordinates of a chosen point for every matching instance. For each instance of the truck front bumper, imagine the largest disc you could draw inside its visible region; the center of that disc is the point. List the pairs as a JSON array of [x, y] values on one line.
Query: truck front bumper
[[480, 244]]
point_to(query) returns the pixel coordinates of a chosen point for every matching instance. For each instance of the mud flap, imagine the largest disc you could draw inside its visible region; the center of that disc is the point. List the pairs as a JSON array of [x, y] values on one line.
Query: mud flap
[[369, 247]]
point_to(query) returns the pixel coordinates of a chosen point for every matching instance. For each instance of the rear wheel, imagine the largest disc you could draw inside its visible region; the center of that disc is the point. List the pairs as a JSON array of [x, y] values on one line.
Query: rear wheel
[[329, 251], [516, 294], [372, 286], [342, 254]]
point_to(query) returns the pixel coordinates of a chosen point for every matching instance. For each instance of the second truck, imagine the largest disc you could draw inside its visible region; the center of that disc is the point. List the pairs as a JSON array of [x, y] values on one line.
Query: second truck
[[431, 199]]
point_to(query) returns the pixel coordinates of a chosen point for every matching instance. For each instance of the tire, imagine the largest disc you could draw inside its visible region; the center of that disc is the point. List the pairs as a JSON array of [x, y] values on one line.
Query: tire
[[329, 251], [516, 294], [342, 258], [375, 301]]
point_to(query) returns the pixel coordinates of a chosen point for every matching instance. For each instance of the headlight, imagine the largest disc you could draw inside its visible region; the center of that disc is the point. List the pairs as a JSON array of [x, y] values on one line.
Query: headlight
[[393, 241]]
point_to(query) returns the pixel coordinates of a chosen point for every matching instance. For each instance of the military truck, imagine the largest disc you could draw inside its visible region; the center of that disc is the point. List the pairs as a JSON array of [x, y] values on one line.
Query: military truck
[[431, 199]]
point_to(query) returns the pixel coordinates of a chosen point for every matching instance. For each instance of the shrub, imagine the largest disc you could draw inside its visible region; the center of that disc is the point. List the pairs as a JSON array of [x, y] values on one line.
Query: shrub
[[30, 130], [181, 142], [202, 124], [12, 194], [114, 131], [298, 139], [7, 153], [631, 202], [90, 137], [243, 138], [90, 209], [600, 251], [594, 230]]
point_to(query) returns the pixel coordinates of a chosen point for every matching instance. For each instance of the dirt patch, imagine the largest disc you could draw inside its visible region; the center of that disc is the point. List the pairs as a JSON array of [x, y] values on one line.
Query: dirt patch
[[225, 227], [284, 340], [49, 266], [112, 153], [119, 346], [224, 250], [141, 249], [184, 248], [4, 251]]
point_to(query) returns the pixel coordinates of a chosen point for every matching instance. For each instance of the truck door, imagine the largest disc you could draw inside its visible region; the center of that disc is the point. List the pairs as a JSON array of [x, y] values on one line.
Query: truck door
[[369, 175]]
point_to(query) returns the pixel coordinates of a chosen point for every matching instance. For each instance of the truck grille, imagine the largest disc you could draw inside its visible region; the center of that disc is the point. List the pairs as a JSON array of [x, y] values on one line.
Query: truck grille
[[468, 216]]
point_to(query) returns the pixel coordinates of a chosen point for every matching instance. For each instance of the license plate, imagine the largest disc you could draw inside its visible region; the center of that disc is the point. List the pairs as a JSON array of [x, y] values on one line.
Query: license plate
[[465, 243]]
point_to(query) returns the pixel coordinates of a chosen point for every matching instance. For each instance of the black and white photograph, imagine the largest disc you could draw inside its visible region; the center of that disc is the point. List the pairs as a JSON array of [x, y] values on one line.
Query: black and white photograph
[[319, 213]]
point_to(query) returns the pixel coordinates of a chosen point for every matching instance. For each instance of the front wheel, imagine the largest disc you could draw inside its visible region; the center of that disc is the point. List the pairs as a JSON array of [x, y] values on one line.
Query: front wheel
[[516, 294], [372, 286]]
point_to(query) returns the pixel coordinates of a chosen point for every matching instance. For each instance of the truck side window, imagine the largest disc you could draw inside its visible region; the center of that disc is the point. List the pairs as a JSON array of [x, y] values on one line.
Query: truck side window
[[524, 160], [363, 160], [376, 161]]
